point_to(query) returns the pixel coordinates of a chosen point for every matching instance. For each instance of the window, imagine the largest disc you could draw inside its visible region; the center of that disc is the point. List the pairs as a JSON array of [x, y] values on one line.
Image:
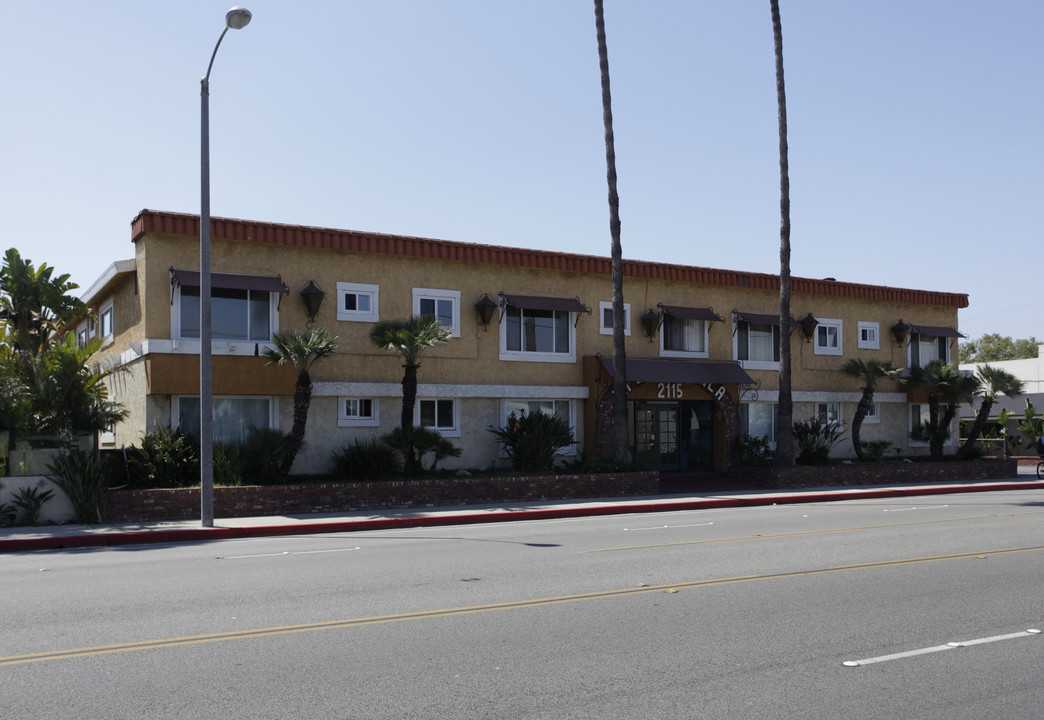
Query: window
[[562, 409], [438, 414], [443, 305], [683, 337], [868, 335], [759, 420], [605, 314], [235, 314], [757, 346], [828, 413], [234, 417], [828, 337], [357, 302], [81, 335], [873, 415], [537, 334], [928, 348], [105, 321], [358, 412]]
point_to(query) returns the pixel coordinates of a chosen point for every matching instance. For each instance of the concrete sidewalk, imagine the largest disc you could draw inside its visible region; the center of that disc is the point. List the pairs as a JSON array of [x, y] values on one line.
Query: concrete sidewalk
[[19, 539]]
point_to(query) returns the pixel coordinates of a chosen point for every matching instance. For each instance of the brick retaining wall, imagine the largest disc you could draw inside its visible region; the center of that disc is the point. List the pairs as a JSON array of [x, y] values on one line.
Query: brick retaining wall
[[886, 473], [128, 506]]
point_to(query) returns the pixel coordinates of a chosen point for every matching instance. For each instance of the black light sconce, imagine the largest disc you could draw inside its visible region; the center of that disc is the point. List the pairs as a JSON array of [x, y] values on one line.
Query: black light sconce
[[313, 298], [651, 323], [485, 308], [808, 326], [900, 331]]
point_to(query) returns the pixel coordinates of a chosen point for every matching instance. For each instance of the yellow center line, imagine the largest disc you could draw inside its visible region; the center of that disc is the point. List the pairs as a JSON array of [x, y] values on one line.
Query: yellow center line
[[801, 533], [452, 612]]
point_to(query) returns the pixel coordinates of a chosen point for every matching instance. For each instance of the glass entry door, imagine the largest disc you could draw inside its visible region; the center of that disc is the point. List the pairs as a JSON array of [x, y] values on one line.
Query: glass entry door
[[656, 435]]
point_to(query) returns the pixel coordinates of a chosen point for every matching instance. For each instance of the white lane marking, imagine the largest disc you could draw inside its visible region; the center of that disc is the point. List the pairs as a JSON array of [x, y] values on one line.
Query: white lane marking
[[665, 527], [939, 648], [918, 507], [281, 554]]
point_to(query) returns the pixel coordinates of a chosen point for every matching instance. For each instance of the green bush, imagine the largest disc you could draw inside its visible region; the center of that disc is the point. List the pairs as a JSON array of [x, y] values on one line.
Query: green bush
[[815, 439], [261, 456], [30, 501], [8, 513], [84, 481], [167, 458], [367, 460], [597, 464], [875, 449], [754, 451], [533, 440]]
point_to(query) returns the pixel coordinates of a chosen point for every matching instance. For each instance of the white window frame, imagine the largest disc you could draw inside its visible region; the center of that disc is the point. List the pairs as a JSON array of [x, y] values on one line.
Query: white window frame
[[82, 335], [175, 322], [444, 431], [531, 356], [437, 295], [505, 412], [873, 416], [273, 407], [346, 420], [774, 407], [704, 327], [604, 329], [872, 339], [757, 364], [934, 340], [823, 411], [347, 288], [826, 349], [106, 310]]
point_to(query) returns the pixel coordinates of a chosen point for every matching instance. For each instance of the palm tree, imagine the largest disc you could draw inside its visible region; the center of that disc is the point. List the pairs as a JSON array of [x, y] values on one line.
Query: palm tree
[[785, 433], [869, 373], [410, 337], [621, 442], [302, 349], [993, 382], [35, 305], [947, 388]]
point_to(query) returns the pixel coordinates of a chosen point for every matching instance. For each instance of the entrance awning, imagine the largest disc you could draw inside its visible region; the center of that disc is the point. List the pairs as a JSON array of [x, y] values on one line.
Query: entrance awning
[[722, 373], [936, 331], [227, 281], [692, 313], [536, 302]]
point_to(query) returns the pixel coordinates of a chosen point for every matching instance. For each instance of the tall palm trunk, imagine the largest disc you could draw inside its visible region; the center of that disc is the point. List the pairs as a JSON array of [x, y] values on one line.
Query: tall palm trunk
[[302, 399], [857, 422], [785, 432], [981, 418], [621, 442]]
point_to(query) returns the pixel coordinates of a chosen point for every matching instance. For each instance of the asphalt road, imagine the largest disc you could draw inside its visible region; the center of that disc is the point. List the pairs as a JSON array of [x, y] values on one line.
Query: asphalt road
[[738, 613]]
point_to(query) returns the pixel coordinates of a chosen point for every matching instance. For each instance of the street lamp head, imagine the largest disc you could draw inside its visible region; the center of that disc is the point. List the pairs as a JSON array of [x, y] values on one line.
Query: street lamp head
[[238, 17]]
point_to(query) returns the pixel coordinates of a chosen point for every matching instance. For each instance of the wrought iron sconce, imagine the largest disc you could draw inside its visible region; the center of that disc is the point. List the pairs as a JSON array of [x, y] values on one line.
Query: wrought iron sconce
[[485, 308], [651, 323], [808, 327], [899, 331], [313, 298]]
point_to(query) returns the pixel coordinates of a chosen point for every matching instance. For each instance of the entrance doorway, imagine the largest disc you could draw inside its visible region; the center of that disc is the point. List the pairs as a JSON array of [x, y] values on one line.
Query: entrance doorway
[[674, 435]]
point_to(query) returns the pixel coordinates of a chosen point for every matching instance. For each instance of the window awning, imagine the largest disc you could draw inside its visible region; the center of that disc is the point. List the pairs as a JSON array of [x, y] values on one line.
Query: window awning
[[639, 370], [692, 313], [761, 319], [227, 281], [936, 331], [535, 302]]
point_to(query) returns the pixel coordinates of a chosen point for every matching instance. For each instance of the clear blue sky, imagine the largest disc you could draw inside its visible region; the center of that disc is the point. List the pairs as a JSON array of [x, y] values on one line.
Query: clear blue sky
[[916, 150]]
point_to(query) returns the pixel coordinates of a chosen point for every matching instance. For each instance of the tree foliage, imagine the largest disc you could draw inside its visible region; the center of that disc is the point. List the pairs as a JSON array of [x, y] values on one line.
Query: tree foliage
[[993, 347]]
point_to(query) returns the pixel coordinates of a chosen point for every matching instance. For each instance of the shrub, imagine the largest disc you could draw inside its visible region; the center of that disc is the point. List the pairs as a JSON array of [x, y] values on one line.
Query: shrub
[[167, 458], [754, 451], [602, 464], [532, 440], [875, 449], [30, 501], [84, 481], [367, 460], [815, 439], [8, 513], [261, 457]]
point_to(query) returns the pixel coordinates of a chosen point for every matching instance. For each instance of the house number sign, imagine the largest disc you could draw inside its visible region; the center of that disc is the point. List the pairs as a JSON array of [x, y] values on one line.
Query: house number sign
[[669, 391]]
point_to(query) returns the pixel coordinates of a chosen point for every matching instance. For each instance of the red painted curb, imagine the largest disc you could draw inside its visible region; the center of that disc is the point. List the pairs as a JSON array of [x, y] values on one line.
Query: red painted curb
[[158, 537]]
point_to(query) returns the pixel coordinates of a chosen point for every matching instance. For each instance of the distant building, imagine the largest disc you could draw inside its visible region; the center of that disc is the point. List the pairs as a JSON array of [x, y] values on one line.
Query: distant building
[[703, 344]]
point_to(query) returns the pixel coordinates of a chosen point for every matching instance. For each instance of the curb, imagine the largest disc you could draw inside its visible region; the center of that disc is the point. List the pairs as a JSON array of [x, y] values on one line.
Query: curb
[[157, 537]]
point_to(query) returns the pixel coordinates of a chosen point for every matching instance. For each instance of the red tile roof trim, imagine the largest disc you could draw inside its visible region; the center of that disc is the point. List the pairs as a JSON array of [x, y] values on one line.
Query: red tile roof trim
[[366, 242]]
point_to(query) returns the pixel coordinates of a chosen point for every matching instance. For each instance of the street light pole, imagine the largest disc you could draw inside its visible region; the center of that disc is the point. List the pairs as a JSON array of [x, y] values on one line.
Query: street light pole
[[236, 18]]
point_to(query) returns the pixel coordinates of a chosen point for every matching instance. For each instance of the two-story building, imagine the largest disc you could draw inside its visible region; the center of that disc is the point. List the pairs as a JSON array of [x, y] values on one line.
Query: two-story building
[[532, 330]]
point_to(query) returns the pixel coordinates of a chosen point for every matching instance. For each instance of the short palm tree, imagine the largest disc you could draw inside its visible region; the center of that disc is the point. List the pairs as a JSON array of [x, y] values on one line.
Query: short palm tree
[[410, 337], [302, 350], [993, 382], [869, 373], [947, 387]]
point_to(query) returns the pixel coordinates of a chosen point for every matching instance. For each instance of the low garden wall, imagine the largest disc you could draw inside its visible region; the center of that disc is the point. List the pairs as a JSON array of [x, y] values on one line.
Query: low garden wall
[[884, 473], [128, 506]]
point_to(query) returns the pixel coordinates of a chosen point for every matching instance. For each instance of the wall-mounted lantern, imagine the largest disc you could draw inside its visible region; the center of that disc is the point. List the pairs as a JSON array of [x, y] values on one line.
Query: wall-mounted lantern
[[485, 308], [651, 323], [900, 331], [808, 326], [313, 298]]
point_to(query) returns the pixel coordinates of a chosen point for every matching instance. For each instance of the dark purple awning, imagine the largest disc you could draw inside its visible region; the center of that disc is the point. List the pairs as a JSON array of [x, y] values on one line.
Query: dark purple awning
[[692, 313], [682, 371], [535, 302], [226, 281], [762, 319], [936, 331]]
